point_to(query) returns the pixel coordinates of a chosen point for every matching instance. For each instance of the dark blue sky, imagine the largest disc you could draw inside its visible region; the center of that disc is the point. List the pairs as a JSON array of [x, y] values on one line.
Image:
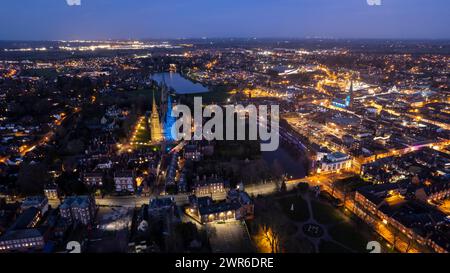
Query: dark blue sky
[[102, 19]]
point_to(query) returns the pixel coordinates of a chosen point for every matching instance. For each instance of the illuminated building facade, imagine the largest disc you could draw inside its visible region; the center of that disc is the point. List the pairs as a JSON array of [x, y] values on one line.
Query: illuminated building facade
[[417, 221], [22, 240], [124, 181], [79, 209], [347, 103], [237, 206], [155, 125], [210, 186], [169, 121], [334, 162], [93, 179], [51, 191], [24, 234]]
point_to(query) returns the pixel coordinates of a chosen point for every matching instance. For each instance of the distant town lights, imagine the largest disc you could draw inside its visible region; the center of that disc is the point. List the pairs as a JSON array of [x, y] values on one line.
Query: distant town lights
[[73, 2], [374, 2]]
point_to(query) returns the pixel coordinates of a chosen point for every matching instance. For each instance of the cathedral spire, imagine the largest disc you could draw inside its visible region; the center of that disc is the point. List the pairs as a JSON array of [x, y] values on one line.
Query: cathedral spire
[[155, 125], [154, 109]]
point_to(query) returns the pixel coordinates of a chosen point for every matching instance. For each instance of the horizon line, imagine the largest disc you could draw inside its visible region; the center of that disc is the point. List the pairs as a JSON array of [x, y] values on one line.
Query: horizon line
[[226, 38]]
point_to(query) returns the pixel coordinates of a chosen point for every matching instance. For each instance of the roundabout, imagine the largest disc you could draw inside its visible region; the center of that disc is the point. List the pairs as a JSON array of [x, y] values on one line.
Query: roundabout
[[313, 230]]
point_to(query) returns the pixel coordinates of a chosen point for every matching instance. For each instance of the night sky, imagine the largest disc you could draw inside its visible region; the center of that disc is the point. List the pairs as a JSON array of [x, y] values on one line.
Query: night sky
[[138, 19]]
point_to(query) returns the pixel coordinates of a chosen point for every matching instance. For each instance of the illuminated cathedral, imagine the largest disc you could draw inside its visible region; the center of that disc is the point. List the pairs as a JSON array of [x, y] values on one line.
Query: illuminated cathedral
[[347, 102], [161, 128], [155, 125]]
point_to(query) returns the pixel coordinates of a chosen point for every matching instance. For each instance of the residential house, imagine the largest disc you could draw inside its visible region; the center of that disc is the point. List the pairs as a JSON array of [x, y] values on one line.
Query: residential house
[[124, 181]]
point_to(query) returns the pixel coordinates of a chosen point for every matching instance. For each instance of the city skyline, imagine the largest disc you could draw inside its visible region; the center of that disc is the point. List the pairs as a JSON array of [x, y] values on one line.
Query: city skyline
[[208, 127], [114, 19]]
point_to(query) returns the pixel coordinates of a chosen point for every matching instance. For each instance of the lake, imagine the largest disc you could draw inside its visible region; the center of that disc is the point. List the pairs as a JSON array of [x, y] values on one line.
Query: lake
[[180, 84]]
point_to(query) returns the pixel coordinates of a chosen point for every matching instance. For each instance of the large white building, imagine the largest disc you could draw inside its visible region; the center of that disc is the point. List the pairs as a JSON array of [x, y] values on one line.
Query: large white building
[[334, 162], [79, 209], [124, 181], [22, 240]]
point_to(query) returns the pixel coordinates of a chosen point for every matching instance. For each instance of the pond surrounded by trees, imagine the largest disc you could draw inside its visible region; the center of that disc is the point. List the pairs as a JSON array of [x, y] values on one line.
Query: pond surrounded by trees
[[287, 162]]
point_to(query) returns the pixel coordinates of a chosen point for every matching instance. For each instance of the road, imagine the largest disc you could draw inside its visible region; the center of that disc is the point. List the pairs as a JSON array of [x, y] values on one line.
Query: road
[[136, 201], [255, 189]]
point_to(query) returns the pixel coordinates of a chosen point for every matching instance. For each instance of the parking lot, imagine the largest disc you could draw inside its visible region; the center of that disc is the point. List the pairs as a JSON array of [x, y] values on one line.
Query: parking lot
[[111, 232], [229, 237]]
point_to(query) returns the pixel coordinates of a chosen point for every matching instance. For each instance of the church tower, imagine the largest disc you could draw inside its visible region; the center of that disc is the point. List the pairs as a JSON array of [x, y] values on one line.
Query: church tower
[[349, 98], [169, 120], [155, 125]]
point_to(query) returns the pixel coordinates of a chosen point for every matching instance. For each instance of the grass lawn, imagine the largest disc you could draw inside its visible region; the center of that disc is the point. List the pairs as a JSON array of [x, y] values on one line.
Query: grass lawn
[[330, 247], [300, 212], [290, 228], [325, 214], [140, 99], [143, 135], [217, 94], [298, 245], [350, 235]]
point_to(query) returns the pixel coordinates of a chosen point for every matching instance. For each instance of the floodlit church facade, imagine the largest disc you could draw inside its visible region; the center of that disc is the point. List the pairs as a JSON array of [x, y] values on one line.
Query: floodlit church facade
[[161, 128], [156, 134]]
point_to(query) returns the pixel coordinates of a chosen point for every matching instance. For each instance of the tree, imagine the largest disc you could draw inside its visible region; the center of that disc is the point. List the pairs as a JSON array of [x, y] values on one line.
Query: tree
[[396, 235], [187, 232], [278, 171], [32, 177], [333, 187], [303, 186], [283, 187], [411, 241], [277, 168], [41, 106], [271, 236], [346, 192], [409, 245], [271, 226], [75, 147], [70, 184]]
